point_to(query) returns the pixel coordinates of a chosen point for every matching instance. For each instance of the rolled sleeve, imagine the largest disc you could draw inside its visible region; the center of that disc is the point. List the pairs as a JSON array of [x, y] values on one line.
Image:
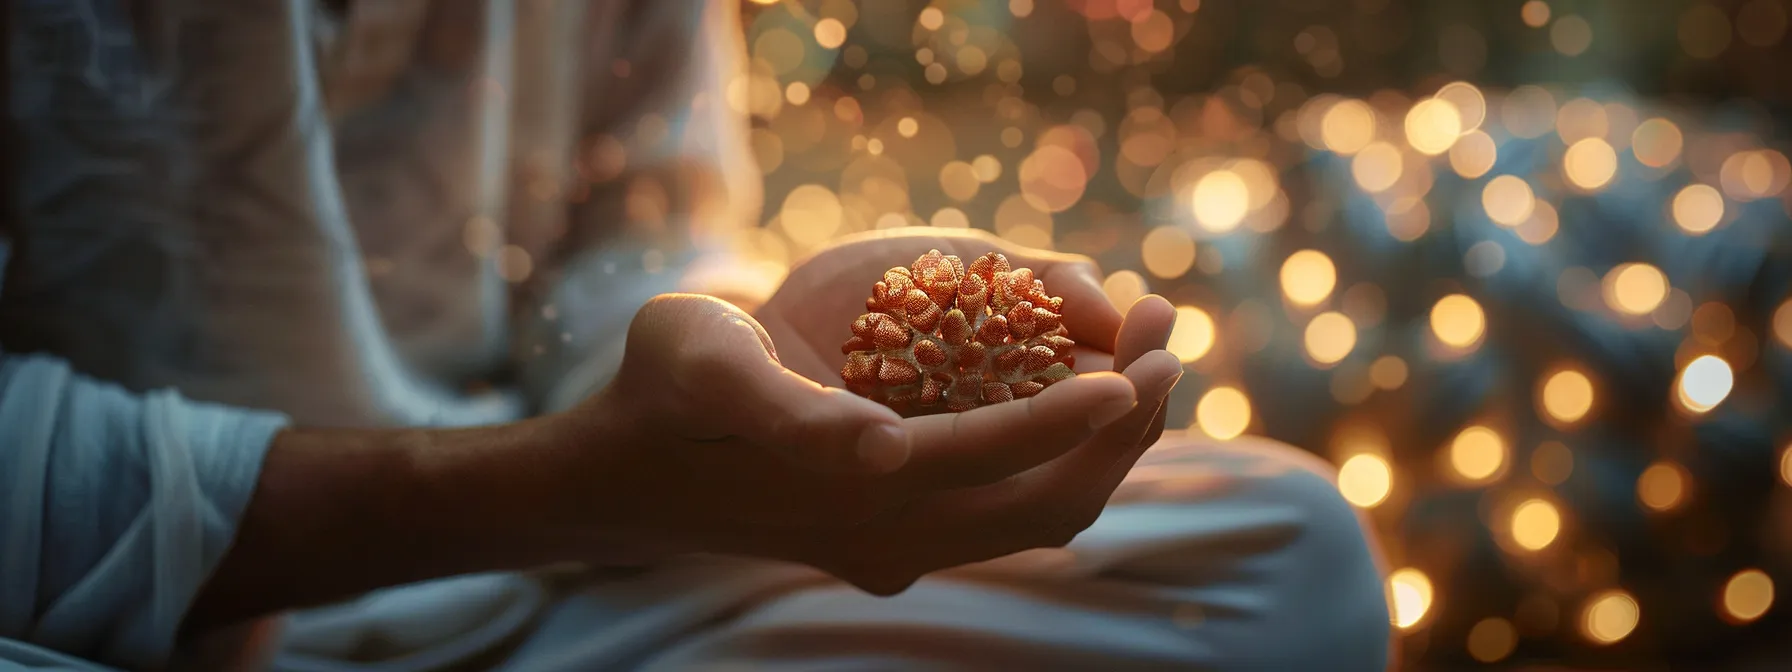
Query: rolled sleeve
[[117, 506]]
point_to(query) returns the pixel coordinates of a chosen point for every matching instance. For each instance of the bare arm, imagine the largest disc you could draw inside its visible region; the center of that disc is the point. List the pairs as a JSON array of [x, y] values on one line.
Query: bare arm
[[340, 512]]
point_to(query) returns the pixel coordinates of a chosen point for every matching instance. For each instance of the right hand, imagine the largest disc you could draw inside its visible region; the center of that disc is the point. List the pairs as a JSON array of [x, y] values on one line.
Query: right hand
[[709, 444]]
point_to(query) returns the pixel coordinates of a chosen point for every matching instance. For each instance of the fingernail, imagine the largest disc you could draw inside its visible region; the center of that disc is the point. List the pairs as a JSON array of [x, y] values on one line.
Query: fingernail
[[884, 448], [1105, 414]]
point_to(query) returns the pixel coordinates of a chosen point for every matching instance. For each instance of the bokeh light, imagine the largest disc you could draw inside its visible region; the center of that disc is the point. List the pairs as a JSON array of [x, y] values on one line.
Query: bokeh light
[[1704, 383], [1410, 595], [1535, 524], [1477, 453], [1433, 125], [1168, 251], [1698, 208], [1609, 617], [1223, 413], [1571, 35], [1635, 289], [1457, 320], [1534, 13], [1124, 287], [1221, 200], [1590, 163], [1567, 395], [1377, 167], [1508, 200], [1662, 486], [1492, 639], [1473, 154], [1308, 277], [1193, 334], [1330, 337], [1656, 143], [1747, 596], [1348, 126], [1365, 480], [1782, 323]]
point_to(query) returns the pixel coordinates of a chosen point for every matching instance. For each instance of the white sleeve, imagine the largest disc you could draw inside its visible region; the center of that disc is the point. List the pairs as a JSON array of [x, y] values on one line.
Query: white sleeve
[[114, 509]]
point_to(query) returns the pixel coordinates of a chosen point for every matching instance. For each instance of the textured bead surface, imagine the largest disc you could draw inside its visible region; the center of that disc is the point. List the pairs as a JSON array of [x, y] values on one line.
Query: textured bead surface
[[942, 336]]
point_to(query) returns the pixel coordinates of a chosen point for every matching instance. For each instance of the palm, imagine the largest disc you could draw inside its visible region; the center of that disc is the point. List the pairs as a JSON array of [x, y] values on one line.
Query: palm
[[811, 314]]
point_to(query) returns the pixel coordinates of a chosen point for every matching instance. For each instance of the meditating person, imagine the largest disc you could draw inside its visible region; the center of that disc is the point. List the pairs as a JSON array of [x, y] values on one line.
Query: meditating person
[[403, 335]]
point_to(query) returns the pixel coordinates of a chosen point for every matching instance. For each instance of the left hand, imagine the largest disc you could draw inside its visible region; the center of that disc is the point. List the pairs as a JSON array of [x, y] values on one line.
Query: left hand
[[809, 318]]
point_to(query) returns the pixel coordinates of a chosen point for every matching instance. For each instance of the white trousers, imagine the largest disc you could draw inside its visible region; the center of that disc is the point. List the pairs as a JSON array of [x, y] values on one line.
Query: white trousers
[[1229, 556]]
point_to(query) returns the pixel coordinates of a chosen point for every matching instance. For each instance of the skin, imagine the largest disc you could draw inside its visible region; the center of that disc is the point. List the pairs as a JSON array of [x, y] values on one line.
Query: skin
[[723, 432]]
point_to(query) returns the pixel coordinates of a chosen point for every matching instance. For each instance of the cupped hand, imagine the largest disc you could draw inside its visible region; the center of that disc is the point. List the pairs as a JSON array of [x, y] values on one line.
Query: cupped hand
[[713, 442], [739, 439]]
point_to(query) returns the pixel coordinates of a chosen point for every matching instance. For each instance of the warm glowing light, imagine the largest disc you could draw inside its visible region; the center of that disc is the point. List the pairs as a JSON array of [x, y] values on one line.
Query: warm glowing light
[[1477, 453], [1528, 111], [1552, 462], [1535, 13], [811, 215], [797, 93], [1052, 178], [1662, 486], [1571, 35], [1705, 383], [1221, 200], [1609, 617], [1410, 593], [1698, 208], [1388, 372], [1377, 167], [1330, 337], [1471, 106], [1656, 143], [1747, 596], [1567, 395], [1365, 480], [1193, 334], [1168, 251], [1348, 126], [1535, 524], [1540, 226], [1590, 163], [907, 127], [1508, 200], [950, 218], [1432, 126], [1123, 288], [1223, 413], [1782, 323], [1457, 320], [1308, 276], [959, 181], [987, 168], [1473, 154], [1786, 464], [1492, 639], [1635, 289], [932, 18], [830, 33]]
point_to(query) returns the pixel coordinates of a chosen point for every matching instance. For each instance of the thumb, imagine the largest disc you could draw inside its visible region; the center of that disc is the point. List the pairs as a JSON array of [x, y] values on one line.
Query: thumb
[[739, 387]]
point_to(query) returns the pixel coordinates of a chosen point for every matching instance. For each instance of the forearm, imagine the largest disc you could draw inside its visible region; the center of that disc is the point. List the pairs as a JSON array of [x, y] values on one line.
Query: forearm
[[339, 512]]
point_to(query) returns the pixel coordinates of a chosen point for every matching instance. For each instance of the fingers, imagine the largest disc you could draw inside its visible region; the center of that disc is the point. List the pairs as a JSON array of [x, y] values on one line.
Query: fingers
[[1146, 328], [1090, 317], [988, 444], [1044, 507], [732, 385]]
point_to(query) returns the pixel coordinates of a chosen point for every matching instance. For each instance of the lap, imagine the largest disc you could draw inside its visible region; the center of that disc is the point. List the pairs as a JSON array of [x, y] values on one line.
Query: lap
[[1235, 555]]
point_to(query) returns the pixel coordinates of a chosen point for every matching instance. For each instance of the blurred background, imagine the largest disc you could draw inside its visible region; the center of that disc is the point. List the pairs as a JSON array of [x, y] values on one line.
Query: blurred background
[[1519, 268]]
